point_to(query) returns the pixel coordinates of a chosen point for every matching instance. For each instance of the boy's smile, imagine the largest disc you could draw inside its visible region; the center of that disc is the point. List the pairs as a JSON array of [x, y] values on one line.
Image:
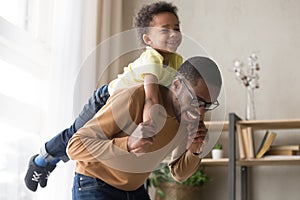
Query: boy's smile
[[164, 33]]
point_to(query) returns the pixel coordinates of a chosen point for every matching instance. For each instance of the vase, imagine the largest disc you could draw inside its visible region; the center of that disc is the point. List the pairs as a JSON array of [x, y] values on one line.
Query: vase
[[250, 107]]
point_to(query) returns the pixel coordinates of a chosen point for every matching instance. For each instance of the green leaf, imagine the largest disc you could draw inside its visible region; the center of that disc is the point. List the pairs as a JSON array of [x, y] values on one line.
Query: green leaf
[[161, 193], [199, 178], [218, 146]]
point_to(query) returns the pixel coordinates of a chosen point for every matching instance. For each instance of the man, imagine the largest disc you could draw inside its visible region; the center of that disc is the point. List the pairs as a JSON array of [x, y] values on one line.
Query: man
[[115, 152]]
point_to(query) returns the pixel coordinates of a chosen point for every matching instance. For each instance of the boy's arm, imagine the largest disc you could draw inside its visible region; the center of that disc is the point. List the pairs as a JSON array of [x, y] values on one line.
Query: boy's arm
[[151, 94], [106, 135]]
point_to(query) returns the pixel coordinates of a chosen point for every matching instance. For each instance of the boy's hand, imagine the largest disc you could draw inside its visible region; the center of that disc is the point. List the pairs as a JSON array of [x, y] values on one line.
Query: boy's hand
[[142, 137]]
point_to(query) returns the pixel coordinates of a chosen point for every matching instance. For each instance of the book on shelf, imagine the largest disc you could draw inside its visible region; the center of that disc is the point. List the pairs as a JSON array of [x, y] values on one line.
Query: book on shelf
[[282, 152], [266, 143], [281, 157], [241, 143], [249, 134], [294, 147], [245, 142], [288, 150]]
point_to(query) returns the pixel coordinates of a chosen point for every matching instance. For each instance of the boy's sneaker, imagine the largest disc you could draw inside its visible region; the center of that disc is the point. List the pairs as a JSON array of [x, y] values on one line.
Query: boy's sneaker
[[34, 174], [48, 169]]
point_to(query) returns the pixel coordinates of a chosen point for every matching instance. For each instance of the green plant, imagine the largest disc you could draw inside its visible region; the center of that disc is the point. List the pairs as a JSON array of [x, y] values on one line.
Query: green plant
[[218, 146], [163, 175]]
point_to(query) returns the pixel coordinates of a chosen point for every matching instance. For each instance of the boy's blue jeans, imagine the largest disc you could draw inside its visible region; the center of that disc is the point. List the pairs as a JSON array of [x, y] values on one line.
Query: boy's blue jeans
[[88, 188], [56, 147]]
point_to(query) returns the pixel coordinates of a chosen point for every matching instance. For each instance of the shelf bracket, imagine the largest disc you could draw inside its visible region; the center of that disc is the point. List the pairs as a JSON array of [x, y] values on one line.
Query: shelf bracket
[[233, 118]]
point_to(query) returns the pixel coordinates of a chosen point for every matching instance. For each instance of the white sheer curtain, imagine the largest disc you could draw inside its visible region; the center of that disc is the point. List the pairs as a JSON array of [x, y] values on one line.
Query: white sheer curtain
[[73, 36], [45, 83], [23, 65], [66, 57], [76, 34], [79, 26]]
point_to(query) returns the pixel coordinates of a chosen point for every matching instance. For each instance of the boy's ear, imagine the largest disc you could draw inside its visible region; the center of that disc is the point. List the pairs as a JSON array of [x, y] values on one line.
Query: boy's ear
[[147, 39]]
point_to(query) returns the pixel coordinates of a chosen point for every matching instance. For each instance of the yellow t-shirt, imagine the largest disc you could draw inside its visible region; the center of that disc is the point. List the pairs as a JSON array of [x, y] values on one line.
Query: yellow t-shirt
[[150, 62]]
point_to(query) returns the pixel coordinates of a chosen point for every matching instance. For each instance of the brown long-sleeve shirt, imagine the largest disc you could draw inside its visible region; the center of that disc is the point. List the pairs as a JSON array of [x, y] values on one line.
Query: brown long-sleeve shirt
[[100, 147]]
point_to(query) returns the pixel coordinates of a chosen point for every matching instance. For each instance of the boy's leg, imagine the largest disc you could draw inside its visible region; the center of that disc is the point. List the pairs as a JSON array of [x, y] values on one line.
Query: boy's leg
[[56, 147], [40, 166]]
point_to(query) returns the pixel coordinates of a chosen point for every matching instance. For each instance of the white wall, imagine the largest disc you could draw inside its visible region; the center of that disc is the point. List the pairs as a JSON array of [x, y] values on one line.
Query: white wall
[[231, 29]]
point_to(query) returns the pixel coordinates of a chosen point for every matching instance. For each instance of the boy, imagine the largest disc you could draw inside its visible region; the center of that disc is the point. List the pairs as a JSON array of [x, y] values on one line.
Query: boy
[[158, 29]]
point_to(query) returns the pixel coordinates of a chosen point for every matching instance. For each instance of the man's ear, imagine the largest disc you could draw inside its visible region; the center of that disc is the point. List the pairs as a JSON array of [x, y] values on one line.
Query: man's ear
[[176, 83], [147, 39]]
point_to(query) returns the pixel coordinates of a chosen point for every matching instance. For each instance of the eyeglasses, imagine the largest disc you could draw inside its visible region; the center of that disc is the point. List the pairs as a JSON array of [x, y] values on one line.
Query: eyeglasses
[[198, 103]]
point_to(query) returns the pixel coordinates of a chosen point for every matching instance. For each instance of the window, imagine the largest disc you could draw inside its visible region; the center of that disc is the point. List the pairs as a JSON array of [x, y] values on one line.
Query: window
[[12, 11], [24, 61]]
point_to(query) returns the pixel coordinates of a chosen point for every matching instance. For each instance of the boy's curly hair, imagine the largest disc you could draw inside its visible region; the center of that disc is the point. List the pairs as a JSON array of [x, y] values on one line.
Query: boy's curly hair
[[145, 15]]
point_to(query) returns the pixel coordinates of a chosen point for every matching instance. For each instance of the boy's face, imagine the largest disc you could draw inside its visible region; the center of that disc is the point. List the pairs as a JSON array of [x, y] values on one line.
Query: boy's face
[[164, 32]]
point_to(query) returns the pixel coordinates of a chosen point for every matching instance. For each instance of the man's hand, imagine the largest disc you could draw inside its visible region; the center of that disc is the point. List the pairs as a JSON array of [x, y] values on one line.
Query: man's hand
[[142, 137], [198, 136]]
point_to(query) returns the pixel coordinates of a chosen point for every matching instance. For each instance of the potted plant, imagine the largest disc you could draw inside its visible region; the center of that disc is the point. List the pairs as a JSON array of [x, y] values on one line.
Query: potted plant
[[169, 189], [217, 152]]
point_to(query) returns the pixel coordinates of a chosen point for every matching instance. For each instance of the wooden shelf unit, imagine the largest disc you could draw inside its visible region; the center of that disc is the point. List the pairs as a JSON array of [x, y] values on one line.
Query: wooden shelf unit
[[233, 161], [214, 162], [273, 161], [234, 122], [217, 125], [271, 124], [253, 162]]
